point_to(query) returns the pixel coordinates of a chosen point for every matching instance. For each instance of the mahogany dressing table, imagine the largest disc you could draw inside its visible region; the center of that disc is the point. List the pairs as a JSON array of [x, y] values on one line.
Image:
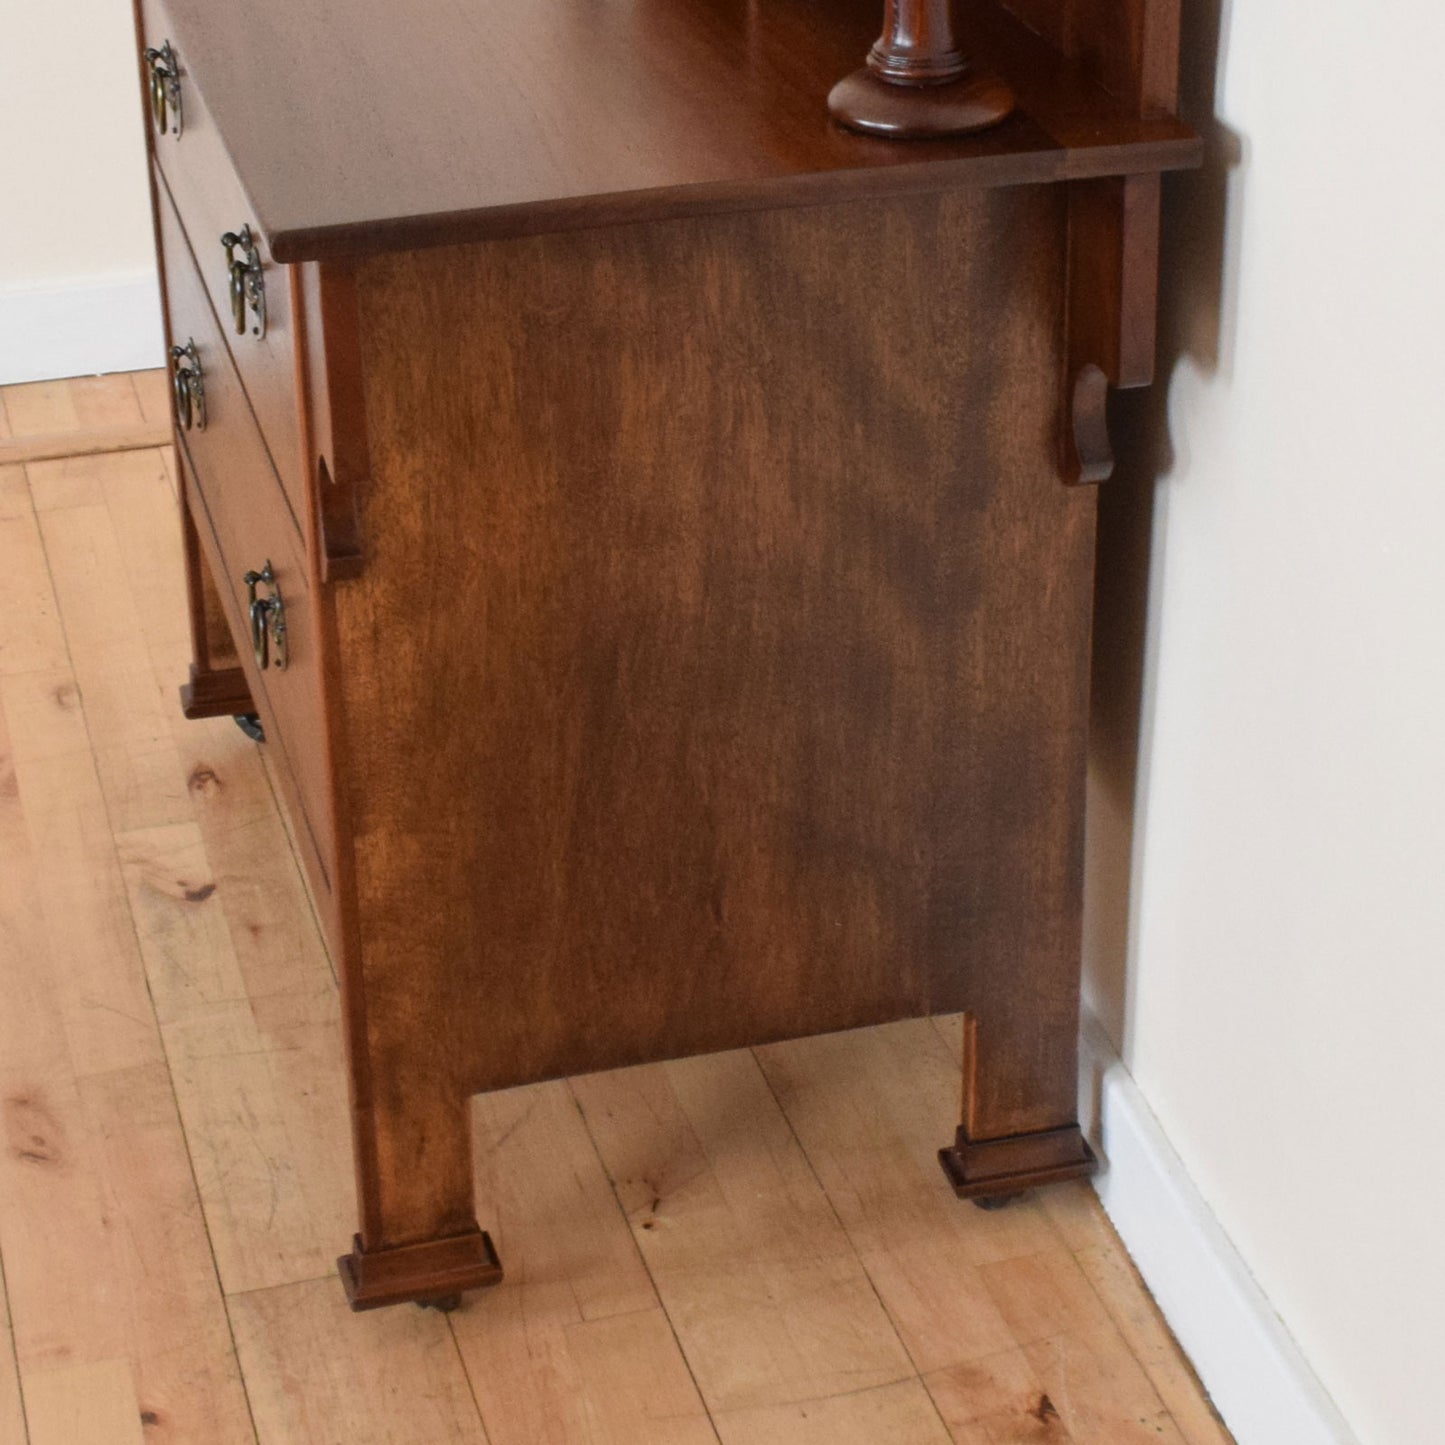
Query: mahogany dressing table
[[644, 515]]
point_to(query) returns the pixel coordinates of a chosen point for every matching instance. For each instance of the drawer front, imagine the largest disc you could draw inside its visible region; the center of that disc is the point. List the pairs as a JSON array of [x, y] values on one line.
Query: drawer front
[[211, 202], [244, 523]]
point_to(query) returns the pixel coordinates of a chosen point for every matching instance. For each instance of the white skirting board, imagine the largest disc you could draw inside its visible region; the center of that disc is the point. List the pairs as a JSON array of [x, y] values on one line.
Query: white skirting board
[[1252, 1368], [80, 329]]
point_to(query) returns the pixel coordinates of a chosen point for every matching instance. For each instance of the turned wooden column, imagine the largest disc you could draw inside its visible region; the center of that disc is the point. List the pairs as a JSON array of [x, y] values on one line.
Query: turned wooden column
[[917, 82]]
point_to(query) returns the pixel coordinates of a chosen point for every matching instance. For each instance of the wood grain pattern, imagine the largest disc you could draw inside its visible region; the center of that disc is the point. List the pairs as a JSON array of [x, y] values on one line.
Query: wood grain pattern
[[85, 415], [1131, 47], [738, 594], [135, 437], [727, 633], [900, 1414], [865, 1107], [574, 1345], [318, 1374], [768, 1299], [134, 752], [84, 1146], [94, 963], [597, 114], [12, 1411]]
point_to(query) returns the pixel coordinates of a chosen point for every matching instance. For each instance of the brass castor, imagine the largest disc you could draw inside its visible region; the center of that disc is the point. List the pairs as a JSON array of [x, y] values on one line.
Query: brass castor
[[445, 1303], [991, 1202], [250, 724]]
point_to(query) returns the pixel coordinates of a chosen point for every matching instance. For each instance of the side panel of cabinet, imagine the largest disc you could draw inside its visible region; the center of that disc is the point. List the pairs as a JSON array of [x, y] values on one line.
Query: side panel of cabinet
[[718, 669]]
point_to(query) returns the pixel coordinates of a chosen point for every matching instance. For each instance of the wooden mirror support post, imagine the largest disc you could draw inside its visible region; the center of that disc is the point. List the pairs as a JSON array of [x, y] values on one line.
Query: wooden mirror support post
[[917, 82]]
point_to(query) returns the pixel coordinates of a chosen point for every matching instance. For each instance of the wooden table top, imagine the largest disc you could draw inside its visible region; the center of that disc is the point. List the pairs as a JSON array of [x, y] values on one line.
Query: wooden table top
[[366, 125]]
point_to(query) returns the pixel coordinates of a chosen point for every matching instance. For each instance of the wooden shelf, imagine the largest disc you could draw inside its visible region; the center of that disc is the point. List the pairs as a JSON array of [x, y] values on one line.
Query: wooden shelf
[[551, 115]]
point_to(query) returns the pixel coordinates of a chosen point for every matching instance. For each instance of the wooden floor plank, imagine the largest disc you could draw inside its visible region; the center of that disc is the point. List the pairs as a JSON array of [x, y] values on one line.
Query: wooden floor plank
[[92, 951], [74, 480], [871, 1108], [153, 395], [100, 1226], [31, 637], [1083, 1363], [91, 1403], [104, 403], [1100, 1392], [106, 1253], [769, 1301], [1046, 1294], [572, 1348], [137, 491], [997, 1401], [258, 879], [898, 1414], [1117, 1283], [319, 1375], [36, 408], [81, 416], [184, 937], [12, 1415], [261, 1085], [140, 772]]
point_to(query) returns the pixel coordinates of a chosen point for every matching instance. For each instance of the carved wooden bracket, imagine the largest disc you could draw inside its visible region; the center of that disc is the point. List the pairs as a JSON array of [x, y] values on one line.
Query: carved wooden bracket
[[1113, 295], [326, 305], [917, 83]]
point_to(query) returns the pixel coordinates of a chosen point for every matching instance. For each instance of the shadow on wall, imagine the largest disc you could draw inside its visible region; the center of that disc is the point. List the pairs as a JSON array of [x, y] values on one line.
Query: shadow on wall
[[1195, 237]]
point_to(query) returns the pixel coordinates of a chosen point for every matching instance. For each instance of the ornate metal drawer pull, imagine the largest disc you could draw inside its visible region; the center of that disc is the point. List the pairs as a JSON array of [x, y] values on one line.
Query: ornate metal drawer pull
[[165, 89], [268, 619], [248, 283], [188, 379]]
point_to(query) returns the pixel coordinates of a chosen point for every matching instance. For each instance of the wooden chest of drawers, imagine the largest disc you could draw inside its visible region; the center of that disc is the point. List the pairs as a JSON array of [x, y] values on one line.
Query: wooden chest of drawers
[[640, 514]]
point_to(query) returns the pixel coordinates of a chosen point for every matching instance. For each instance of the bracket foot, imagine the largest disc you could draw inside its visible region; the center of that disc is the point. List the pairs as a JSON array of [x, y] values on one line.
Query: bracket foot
[[434, 1273], [216, 694], [1001, 1169]]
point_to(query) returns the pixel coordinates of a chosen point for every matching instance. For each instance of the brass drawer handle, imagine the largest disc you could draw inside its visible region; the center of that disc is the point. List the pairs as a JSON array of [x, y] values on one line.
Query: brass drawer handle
[[248, 283], [165, 90], [189, 382], [268, 619]]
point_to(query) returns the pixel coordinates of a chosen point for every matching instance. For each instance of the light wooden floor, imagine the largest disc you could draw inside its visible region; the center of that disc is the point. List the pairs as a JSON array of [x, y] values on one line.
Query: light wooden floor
[[755, 1248]]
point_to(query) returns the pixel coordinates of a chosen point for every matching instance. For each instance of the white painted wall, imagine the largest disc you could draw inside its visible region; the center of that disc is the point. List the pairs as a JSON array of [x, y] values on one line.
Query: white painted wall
[[1267, 894], [77, 274]]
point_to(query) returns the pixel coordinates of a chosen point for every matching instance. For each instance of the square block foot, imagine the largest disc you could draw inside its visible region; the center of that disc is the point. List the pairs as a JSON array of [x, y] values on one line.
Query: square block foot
[[981, 1168], [426, 1273], [216, 694]]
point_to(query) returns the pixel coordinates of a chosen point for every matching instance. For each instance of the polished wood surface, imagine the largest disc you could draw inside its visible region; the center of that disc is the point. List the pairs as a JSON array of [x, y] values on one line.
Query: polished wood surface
[[442, 121], [719, 1249], [768, 731]]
